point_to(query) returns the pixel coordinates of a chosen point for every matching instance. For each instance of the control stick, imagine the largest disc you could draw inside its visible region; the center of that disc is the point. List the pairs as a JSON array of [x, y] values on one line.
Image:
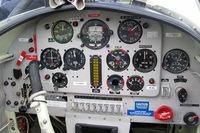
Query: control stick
[[37, 98]]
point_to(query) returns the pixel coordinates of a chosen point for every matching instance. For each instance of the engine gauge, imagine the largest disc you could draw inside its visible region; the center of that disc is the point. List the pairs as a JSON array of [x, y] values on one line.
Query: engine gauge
[[144, 60], [176, 61], [129, 31], [135, 83], [115, 83], [62, 32], [95, 34], [74, 59], [50, 58], [59, 80], [118, 60]]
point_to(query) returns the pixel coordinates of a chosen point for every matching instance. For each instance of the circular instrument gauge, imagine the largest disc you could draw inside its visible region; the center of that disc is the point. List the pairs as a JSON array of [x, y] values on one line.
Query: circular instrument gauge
[[50, 58], [129, 31], [95, 34], [135, 83], [59, 80], [176, 61], [115, 83], [62, 32], [118, 60], [144, 60], [74, 59]]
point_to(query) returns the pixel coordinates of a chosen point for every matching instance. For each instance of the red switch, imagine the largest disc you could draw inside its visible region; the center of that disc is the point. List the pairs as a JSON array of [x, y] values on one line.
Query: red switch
[[164, 113]]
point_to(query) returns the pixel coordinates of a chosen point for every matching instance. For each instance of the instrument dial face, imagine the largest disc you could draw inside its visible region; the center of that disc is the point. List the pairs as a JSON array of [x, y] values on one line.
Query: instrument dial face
[[144, 60], [115, 82], [62, 32], [118, 60], [95, 34], [176, 61], [50, 58], [74, 59], [135, 83], [129, 31], [59, 80]]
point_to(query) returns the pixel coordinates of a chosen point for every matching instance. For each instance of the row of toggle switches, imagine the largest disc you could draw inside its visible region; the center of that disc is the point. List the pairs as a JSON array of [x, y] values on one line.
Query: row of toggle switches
[[115, 108]]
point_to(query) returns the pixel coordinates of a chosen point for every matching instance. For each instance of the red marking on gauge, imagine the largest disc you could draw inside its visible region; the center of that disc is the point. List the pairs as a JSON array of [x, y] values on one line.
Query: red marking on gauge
[[52, 63], [195, 116], [94, 15], [31, 57], [35, 43]]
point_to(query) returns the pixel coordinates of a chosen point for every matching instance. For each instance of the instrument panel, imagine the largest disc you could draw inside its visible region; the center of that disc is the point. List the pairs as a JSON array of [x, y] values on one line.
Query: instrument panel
[[107, 65], [106, 39]]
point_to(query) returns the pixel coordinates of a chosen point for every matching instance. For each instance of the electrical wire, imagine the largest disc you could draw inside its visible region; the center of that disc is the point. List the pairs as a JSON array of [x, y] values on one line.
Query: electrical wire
[[9, 123]]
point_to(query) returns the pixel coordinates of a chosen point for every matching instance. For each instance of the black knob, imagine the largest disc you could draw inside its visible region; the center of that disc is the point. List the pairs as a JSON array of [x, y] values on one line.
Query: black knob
[[16, 103], [22, 109], [182, 95], [191, 119]]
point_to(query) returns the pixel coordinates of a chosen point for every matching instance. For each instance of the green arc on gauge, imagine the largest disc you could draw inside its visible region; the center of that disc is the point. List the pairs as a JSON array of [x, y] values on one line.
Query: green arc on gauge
[[62, 32]]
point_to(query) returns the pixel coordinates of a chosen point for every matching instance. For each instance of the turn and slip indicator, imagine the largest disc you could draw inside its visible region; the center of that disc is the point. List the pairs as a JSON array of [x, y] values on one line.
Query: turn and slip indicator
[[95, 71]]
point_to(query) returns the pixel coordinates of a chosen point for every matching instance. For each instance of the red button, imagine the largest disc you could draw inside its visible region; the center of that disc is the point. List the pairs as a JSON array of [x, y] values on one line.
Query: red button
[[164, 113], [75, 23], [13, 83], [5, 83], [47, 76]]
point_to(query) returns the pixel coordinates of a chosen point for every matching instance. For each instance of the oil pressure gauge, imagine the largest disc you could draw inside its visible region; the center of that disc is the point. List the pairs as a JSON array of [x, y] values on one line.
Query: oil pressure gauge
[[135, 83]]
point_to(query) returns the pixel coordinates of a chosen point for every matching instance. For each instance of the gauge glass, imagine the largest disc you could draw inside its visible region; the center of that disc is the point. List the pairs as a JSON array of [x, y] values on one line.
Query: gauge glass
[[176, 61], [129, 31], [135, 83], [50, 58], [118, 60], [144, 60], [74, 59], [115, 83], [62, 32], [95, 34], [59, 80]]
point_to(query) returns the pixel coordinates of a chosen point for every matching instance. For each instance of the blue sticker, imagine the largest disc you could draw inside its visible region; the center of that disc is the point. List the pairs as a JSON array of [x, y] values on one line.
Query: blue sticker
[[141, 109], [141, 105], [140, 113]]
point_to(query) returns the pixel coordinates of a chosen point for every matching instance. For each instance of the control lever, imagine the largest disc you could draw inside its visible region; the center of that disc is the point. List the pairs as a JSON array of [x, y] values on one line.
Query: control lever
[[37, 98]]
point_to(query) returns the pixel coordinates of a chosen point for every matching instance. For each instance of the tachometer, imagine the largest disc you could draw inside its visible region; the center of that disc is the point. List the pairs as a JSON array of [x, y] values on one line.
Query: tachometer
[[50, 58], [144, 60], [176, 61], [95, 34], [118, 60], [135, 83], [62, 32], [129, 31], [74, 59]]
